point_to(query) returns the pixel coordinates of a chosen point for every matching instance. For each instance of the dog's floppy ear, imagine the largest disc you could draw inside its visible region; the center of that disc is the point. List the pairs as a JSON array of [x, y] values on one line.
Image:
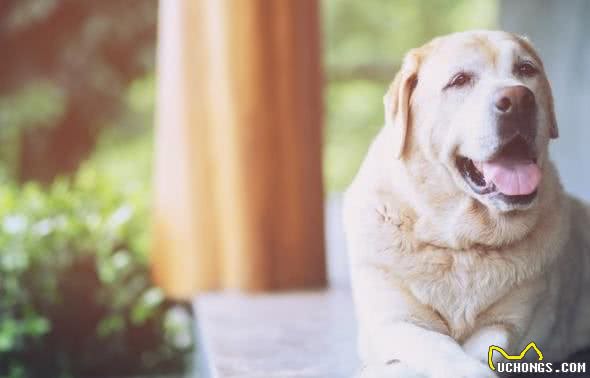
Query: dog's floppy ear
[[397, 101], [553, 129], [527, 44]]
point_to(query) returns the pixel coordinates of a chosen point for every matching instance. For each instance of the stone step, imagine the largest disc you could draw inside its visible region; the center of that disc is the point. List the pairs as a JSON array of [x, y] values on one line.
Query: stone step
[[287, 335]]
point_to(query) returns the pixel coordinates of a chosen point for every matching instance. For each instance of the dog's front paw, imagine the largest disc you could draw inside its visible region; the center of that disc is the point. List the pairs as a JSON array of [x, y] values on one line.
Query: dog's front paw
[[458, 369], [465, 369], [394, 369]]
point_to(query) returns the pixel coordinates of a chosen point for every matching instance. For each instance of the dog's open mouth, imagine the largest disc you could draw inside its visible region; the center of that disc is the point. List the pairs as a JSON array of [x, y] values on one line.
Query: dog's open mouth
[[512, 174]]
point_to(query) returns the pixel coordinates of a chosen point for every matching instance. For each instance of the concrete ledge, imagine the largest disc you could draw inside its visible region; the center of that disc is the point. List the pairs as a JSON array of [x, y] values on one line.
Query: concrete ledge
[[300, 334]]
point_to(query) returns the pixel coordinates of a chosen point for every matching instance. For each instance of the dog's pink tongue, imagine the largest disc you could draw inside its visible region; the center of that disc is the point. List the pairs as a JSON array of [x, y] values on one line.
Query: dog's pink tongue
[[513, 177]]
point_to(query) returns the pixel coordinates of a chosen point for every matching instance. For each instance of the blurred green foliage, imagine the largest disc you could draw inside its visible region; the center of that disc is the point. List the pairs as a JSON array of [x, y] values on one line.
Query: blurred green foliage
[[75, 291], [66, 67], [76, 297], [44, 97], [364, 42]]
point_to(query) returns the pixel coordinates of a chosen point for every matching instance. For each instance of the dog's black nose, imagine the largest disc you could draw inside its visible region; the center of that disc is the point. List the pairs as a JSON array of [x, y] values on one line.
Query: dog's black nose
[[514, 100], [515, 108]]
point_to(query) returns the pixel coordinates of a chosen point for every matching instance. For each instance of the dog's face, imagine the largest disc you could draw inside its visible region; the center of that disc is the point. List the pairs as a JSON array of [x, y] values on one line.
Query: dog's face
[[479, 105]]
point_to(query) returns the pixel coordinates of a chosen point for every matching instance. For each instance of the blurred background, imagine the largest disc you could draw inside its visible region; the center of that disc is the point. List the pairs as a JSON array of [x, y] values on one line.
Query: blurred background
[[77, 96]]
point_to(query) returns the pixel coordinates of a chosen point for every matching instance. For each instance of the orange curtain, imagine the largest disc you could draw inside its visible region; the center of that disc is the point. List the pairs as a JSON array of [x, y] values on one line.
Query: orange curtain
[[238, 182]]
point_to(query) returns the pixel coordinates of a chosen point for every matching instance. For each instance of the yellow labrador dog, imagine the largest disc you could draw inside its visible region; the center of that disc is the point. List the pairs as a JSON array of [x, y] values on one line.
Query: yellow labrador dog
[[460, 235]]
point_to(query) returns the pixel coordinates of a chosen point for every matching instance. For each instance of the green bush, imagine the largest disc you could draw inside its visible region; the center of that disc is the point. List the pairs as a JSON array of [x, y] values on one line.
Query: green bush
[[75, 291]]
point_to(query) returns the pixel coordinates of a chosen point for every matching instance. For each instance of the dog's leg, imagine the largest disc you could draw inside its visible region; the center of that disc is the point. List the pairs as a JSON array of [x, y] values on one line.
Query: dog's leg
[[393, 369], [424, 353], [505, 323], [478, 344], [402, 338]]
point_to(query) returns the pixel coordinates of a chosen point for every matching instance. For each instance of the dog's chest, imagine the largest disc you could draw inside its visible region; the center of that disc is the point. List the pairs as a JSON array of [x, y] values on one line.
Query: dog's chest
[[460, 292]]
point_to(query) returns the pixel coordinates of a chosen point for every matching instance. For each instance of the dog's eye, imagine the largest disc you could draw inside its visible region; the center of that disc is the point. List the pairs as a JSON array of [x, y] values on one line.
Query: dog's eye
[[460, 80], [527, 69]]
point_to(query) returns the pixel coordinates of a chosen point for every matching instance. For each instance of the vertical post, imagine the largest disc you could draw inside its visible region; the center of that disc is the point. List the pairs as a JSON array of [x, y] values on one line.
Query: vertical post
[[185, 232], [239, 139]]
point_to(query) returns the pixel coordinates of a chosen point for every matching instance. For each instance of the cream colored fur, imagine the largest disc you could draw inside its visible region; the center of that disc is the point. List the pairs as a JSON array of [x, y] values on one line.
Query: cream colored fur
[[439, 273]]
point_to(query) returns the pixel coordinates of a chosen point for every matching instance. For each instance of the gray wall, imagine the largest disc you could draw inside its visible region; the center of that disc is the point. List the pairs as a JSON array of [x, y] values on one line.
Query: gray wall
[[560, 30]]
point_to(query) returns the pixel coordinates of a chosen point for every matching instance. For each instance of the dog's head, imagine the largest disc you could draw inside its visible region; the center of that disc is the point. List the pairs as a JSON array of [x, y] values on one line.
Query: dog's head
[[478, 108]]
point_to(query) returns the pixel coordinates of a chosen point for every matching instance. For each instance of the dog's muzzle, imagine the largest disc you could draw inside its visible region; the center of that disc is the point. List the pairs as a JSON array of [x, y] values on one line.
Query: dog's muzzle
[[516, 113], [511, 174]]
